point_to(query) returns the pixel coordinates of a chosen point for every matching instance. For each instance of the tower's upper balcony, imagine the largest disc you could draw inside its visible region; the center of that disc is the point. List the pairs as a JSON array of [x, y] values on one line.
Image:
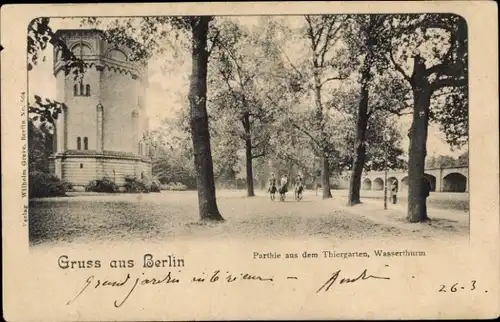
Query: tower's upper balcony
[[89, 45]]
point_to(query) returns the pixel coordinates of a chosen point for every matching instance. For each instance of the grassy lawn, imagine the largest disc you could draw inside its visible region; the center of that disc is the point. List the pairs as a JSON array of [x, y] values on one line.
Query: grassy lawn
[[169, 215]]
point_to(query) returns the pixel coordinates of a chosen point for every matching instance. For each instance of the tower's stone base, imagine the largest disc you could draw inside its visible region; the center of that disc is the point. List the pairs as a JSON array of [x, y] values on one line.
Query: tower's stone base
[[79, 167]]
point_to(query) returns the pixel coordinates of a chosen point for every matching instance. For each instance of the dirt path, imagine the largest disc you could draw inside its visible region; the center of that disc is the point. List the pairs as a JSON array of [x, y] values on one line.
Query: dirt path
[[170, 215], [441, 223]]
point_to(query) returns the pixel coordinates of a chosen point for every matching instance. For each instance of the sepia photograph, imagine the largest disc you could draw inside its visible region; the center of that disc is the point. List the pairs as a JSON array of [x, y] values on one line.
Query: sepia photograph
[[343, 126]]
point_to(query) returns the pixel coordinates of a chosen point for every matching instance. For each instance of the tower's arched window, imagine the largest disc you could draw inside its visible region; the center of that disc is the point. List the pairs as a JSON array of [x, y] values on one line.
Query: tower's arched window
[[81, 90], [75, 90], [85, 143], [79, 143], [87, 90]]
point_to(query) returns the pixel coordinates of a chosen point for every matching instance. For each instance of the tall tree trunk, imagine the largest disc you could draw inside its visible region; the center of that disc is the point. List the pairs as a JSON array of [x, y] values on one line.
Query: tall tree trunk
[[48, 149], [248, 152], [199, 123], [353, 197], [418, 141], [250, 189], [321, 129], [327, 193]]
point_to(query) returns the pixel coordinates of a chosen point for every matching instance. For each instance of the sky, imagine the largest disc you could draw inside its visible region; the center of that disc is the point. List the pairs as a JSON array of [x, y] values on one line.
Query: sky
[[168, 78]]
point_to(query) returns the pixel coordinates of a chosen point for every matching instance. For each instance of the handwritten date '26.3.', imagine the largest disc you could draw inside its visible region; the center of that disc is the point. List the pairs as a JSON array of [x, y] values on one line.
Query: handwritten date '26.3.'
[[459, 287]]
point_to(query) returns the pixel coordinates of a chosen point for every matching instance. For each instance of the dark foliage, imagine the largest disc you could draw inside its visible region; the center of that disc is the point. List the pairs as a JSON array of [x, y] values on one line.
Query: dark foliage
[[40, 34], [135, 185], [40, 147], [102, 185], [155, 187], [42, 184], [169, 170]]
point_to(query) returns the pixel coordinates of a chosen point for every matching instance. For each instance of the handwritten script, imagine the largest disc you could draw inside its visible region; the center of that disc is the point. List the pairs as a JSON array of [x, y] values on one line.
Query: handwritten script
[[345, 280], [129, 284]]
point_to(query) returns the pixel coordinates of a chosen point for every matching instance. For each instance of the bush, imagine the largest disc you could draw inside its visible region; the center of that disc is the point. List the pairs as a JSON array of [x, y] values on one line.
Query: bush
[[155, 187], [68, 186], [42, 184], [175, 169], [135, 185], [102, 185], [174, 186]]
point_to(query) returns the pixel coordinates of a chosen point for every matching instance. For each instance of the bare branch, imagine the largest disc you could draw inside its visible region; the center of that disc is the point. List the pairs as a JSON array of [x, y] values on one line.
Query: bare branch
[[226, 79], [241, 135], [444, 69], [452, 73], [248, 79], [398, 67], [214, 40], [400, 111], [255, 156], [307, 133], [436, 94], [273, 101], [310, 32], [231, 54], [255, 146], [331, 79], [317, 35], [448, 82], [329, 36], [291, 64]]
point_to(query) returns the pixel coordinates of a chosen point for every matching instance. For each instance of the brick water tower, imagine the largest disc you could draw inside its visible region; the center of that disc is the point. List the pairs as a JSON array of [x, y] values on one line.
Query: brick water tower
[[100, 133]]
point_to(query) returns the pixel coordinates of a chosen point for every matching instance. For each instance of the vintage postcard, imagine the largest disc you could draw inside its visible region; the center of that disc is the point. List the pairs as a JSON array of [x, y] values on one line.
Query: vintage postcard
[[253, 160]]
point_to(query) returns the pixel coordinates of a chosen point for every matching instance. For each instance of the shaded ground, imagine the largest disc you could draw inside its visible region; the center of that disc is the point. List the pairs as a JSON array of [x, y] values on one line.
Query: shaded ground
[[439, 200], [167, 215]]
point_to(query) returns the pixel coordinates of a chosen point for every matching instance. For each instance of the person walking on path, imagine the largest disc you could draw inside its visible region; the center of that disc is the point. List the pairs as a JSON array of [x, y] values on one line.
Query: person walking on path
[[272, 183], [299, 187], [284, 183], [426, 189], [394, 192]]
